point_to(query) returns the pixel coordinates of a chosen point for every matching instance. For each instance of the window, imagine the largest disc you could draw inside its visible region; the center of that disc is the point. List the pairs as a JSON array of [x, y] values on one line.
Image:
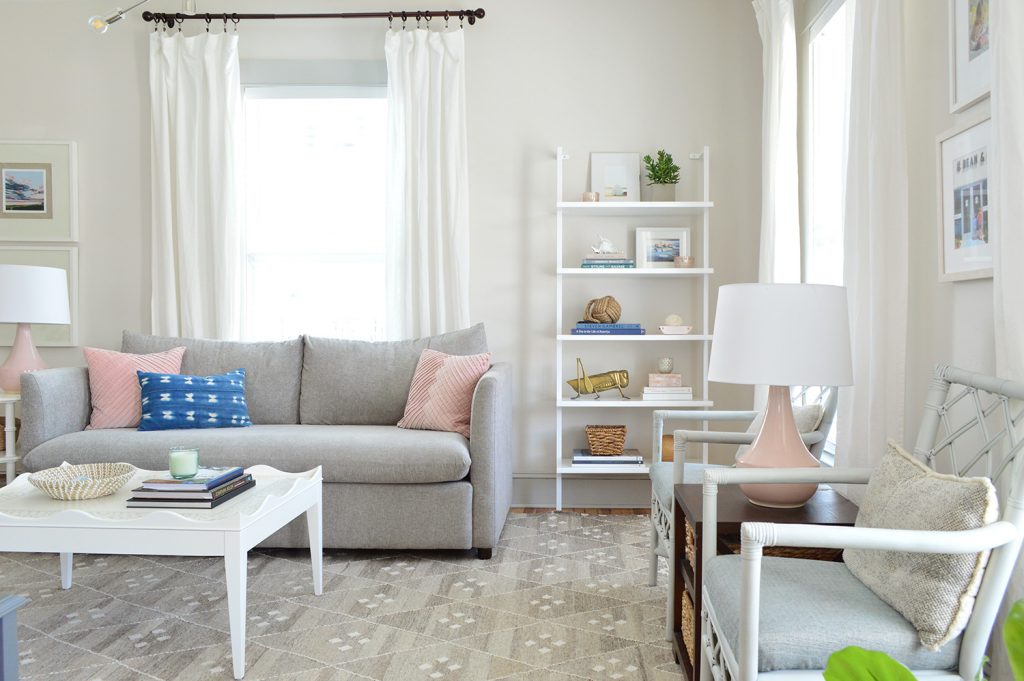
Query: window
[[314, 212], [828, 80], [828, 76]]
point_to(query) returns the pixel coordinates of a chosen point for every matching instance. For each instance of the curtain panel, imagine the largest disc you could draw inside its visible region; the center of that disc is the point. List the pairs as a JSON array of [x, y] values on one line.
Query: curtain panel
[[428, 186], [196, 109]]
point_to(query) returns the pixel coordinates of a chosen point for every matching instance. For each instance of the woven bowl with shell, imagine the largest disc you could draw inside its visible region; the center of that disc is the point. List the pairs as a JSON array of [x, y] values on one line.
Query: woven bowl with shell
[[69, 482]]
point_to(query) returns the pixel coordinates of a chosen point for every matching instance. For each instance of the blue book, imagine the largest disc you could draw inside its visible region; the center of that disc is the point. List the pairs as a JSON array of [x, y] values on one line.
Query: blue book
[[602, 325], [608, 332], [205, 480]]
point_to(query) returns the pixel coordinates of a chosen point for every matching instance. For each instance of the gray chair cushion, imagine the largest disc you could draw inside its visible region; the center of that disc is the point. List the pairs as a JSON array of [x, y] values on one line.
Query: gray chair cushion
[[661, 479], [810, 609], [359, 454], [359, 383], [272, 370]]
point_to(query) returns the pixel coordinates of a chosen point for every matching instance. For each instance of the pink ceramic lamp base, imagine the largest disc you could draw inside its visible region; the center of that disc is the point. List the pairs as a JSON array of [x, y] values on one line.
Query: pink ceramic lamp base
[[778, 445], [24, 357]]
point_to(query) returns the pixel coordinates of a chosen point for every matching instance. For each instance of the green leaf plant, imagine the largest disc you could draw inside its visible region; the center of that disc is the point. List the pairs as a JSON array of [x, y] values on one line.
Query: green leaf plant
[[661, 170], [857, 664], [1013, 636]]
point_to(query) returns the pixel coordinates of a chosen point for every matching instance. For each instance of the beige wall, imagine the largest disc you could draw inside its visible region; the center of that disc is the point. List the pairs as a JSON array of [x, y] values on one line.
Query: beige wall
[[578, 73]]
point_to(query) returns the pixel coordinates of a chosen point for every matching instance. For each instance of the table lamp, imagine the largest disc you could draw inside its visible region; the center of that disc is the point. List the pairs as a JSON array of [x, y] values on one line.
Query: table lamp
[[29, 295], [780, 335]]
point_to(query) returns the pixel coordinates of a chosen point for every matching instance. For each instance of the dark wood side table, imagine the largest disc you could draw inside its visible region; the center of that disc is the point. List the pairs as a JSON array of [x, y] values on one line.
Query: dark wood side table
[[826, 507]]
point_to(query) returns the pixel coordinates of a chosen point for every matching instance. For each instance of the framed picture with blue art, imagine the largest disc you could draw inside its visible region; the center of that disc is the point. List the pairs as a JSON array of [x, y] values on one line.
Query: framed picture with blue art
[[970, 60], [660, 246], [966, 236], [39, 201]]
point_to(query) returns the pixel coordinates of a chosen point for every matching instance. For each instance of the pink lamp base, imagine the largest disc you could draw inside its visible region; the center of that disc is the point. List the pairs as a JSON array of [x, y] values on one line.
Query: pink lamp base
[[24, 357], [778, 445]]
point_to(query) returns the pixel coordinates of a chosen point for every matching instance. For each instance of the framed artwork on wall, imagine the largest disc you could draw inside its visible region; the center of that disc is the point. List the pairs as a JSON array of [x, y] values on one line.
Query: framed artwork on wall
[[615, 176], [40, 191], [970, 59], [965, 240], [659, 246], [63, 257]]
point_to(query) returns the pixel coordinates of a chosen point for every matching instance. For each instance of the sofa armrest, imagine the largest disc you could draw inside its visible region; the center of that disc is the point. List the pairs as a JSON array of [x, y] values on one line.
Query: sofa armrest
[[53, 402], [490, 451]]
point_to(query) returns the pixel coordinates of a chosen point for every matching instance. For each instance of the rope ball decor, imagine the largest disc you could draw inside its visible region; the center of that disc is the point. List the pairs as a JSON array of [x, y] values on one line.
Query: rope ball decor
[[604, 310]]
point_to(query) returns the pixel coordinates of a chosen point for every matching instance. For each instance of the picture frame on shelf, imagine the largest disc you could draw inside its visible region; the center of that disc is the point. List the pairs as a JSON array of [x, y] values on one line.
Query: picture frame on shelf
[[40, 191], [970, 59], [660, 246], [615, 176], [63, 257], [966, 229]]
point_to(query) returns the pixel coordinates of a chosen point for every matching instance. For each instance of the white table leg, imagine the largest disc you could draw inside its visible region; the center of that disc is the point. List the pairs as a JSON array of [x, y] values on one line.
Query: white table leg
[[314, 523], [235, 566], [66, 561], [9, 443]]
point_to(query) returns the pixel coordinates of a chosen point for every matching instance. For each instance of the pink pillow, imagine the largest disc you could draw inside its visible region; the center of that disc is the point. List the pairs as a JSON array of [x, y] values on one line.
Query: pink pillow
[[441, 395], [114, 385]]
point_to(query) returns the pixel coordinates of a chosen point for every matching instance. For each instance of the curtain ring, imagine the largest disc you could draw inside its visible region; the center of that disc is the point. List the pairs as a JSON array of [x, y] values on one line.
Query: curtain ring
[[234, 20], [418, 17], [178, 17], [446, 20], [391, 19], [207, 23], [405, 16], [225, 22]]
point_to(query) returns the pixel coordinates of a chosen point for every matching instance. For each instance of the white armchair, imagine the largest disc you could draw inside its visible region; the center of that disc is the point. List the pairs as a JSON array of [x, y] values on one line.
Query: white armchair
[[754, 607], [666, 474]]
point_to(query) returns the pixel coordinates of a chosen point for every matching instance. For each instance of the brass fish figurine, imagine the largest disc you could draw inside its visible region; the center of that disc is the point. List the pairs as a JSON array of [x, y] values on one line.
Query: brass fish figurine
[[597, 383]]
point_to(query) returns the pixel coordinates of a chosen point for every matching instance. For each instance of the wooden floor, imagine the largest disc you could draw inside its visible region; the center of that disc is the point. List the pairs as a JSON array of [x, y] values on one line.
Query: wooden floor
[[591, 511]]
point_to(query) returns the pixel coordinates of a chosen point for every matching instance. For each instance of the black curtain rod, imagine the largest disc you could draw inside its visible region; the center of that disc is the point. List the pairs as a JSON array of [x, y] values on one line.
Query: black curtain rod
[[470, 15]]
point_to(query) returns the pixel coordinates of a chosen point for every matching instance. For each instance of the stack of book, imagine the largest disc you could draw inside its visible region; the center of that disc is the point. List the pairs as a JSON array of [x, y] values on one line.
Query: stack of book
[[597, 329], [210, 488], [667, 387], [607, 261], [629, 457]]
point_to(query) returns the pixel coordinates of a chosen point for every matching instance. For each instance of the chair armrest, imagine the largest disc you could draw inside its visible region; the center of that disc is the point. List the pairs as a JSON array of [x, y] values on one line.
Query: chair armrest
[[662, 415], [54, 402], [490, 452], [912, 541]]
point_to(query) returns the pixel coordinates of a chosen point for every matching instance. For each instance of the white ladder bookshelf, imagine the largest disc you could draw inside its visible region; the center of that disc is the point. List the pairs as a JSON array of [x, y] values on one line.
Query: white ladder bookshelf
[[700, 341]]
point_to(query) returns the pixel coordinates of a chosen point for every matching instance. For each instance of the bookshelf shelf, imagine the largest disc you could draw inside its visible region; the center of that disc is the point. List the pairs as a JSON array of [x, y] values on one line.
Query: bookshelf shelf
[[569, 214]]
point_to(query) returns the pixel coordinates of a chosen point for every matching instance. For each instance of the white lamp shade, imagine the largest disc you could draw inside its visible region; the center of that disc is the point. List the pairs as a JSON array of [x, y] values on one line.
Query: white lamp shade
[[781, 334], [34, 295]]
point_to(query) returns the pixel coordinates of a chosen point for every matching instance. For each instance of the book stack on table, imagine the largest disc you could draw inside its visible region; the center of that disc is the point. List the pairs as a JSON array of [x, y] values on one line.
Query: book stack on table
[[667, 387], [607, 261], [598, 329], [629, 457], [209, 488]]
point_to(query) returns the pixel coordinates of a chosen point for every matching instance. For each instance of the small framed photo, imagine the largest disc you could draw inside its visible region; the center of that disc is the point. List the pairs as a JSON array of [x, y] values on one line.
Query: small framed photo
[[970, 59], [660, 246], [40, 197], [615, 176], [965, 245], [63, 257]]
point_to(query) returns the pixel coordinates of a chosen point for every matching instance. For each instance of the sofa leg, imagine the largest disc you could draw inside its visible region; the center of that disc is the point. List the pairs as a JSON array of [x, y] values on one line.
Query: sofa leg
[[484, 554]]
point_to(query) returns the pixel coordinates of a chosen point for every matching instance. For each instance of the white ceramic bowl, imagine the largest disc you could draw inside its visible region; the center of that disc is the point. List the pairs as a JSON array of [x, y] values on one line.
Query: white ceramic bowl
[[69, 482], [675, 330]]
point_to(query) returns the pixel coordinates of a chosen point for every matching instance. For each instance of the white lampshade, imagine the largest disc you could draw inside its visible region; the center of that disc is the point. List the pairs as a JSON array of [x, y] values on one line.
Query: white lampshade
[[33, 295], [781, 334]]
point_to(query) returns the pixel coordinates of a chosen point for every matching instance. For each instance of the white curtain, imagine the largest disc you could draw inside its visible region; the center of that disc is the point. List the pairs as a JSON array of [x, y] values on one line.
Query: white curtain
[[780, 207], [196, 108], [1007, 21], [875, 237], [428, 200]]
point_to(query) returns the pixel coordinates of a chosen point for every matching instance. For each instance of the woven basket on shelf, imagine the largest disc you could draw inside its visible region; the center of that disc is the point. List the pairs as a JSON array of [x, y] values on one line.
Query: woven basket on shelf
[[606, 440], [691, 545], [85, 481], [689, 629]]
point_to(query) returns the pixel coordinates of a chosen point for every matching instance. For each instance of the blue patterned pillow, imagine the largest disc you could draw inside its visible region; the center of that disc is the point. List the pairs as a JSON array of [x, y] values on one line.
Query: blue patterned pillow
[[177, 401]]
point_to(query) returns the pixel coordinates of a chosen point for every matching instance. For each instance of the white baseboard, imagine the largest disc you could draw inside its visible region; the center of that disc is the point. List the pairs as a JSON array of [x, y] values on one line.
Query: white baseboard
[[538, 491]]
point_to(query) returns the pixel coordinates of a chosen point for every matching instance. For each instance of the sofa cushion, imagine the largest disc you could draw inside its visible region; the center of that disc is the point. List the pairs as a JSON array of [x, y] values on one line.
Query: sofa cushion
[[183, 402], [441, 395], [272, 369], [812, 608], [347, 382], [114, 383], [359, 454]]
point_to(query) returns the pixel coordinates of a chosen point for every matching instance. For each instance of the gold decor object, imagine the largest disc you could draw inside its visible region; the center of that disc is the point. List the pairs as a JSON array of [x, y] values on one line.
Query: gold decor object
[[606, 440], [604, 310], [69, 482], [597, 383]]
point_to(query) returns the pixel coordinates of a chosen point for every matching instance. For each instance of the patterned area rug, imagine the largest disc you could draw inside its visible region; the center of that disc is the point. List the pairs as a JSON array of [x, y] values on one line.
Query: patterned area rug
[[564, 598]]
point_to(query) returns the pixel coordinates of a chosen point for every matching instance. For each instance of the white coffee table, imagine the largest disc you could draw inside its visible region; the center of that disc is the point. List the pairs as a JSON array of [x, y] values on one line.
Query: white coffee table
[[31, 521]]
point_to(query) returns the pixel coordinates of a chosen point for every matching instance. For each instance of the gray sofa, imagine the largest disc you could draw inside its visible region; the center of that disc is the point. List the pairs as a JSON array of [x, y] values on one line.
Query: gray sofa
[[317, 402]]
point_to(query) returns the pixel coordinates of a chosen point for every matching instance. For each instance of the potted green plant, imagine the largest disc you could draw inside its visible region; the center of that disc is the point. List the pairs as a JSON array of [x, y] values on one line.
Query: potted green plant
[[662, 176]]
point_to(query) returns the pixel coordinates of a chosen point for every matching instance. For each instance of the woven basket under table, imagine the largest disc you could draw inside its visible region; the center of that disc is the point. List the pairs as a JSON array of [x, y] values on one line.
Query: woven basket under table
[[606, 440], [689, 630]]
